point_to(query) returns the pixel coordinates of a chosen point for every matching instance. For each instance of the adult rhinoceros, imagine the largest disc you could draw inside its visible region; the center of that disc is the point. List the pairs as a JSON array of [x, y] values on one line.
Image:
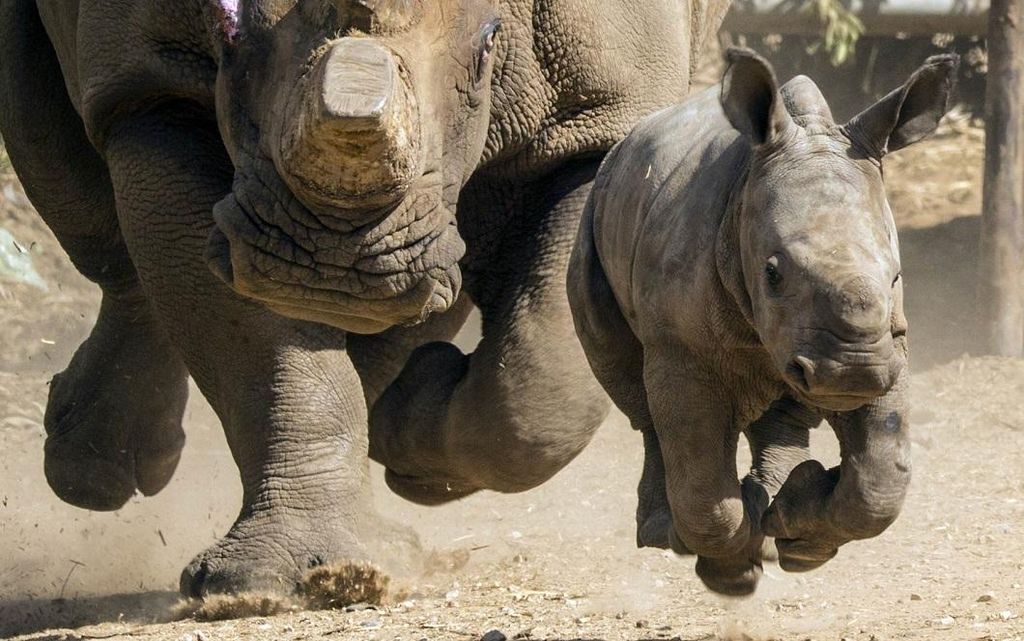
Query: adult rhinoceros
[[294, 201]]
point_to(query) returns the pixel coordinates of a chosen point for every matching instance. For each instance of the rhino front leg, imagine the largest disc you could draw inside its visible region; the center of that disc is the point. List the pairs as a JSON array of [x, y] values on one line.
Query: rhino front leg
[[818, 510], [113, 417], [286, 391], [779, 441], [713, 515], [511, 414]]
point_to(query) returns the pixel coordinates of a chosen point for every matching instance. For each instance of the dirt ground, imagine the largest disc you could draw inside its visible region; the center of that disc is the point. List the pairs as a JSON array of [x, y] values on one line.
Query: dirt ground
[[558, 562]]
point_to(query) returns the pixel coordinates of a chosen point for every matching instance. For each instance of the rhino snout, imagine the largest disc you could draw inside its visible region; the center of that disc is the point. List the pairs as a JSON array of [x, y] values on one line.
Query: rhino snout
[[396, 271], [843, 382]]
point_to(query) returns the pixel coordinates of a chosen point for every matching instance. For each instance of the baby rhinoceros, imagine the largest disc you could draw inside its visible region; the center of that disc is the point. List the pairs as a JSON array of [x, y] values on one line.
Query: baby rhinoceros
[[737, 270]]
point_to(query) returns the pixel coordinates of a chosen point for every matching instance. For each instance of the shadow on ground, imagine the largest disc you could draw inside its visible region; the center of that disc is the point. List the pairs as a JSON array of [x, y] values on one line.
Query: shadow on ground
[[27, 616], [940, 269]]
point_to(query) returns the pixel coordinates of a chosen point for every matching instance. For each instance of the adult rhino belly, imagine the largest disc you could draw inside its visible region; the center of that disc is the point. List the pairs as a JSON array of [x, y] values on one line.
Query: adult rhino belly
[[578, 74]]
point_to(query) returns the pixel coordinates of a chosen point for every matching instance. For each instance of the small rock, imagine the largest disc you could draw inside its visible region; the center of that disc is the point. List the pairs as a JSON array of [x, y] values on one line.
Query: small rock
[[915, 597], [985, 598], [641, 624], [201, 636], [944, 623], [372, 624], [1006, 615], [494, 635]]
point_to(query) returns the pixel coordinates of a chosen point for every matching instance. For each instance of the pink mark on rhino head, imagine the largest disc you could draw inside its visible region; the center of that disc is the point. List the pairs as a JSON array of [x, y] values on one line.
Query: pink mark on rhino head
[[228, 18]]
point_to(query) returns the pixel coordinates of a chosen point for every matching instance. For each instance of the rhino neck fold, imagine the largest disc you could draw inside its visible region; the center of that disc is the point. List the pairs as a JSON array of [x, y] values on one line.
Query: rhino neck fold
[[728, 255]]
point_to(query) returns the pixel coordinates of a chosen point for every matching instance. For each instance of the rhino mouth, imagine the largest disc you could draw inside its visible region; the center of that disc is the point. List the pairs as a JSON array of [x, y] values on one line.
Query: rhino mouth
[[392, 269], [845, 377]]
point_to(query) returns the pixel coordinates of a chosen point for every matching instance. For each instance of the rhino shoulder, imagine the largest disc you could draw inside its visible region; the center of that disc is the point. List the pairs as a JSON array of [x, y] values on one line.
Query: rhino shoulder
[[662, 192], [120, 55]]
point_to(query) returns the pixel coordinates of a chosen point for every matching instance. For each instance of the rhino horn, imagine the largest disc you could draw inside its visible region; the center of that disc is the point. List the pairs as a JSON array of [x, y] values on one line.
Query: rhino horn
[[803, 99], [354, 139]]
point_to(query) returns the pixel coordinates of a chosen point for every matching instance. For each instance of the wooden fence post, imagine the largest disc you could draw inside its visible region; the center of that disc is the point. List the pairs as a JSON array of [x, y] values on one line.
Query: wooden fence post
[[1001, 270]]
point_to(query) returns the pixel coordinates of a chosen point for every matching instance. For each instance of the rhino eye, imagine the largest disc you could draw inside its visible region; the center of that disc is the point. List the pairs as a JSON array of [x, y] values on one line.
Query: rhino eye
[[772, 274], [485, 42]]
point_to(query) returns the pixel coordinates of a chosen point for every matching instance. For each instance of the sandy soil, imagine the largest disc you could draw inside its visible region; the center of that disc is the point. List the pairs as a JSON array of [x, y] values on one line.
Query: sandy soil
[[557, 562]]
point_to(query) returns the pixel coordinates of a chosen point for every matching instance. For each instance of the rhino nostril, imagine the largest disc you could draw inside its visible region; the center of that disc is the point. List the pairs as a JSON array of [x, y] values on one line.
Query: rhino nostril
[[801, 370]]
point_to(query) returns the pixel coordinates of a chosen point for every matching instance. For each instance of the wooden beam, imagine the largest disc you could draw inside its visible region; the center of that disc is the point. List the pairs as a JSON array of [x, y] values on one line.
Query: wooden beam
[[1002, 231]]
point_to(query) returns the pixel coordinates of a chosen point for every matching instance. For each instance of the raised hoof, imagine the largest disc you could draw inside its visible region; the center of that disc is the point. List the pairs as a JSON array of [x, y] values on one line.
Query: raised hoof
[[656, 531], [796, 555], [86, 480], [729, 577], [113, 418], [428, 492]]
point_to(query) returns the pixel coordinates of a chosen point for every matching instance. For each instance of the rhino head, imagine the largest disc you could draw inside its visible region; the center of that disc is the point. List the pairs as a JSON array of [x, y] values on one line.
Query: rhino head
[[817, 240], [352, 126]]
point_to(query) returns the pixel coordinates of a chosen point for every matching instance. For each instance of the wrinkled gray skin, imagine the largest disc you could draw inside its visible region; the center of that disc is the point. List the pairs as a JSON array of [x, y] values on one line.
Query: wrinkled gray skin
[[737, 271], [274, 200]]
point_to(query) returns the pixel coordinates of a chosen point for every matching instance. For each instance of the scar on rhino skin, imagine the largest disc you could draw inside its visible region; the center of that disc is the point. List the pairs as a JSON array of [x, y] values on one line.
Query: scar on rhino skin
[[893, 422]]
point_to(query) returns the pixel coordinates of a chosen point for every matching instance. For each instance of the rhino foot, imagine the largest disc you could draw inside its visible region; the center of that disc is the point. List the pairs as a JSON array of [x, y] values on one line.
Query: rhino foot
[[426, 490], [113, 418], [268, 553], [655, 530], [799, 518], [735, 576]]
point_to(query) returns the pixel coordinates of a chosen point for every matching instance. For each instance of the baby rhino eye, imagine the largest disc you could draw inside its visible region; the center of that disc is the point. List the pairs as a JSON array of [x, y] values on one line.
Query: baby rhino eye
[[773, 274]]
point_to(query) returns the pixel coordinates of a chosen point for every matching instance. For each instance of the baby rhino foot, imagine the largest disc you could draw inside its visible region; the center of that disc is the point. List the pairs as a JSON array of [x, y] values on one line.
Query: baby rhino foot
[[738, 574], [798, 518], [113, 418]]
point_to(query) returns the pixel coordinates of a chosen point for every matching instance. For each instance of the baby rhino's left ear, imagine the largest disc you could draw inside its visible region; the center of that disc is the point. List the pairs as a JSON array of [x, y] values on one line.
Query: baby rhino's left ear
[[911, 112]]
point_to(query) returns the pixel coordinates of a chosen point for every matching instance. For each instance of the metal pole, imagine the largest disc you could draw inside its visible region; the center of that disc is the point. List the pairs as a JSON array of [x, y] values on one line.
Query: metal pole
[[1002, 231]]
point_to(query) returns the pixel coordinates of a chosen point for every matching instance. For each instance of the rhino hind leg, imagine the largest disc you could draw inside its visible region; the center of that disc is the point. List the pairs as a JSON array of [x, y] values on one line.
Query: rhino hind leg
[[617, 359], [113, 418]]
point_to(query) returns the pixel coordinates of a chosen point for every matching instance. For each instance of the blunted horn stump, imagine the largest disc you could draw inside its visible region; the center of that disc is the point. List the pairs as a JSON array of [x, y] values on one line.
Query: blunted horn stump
[[353, 141]]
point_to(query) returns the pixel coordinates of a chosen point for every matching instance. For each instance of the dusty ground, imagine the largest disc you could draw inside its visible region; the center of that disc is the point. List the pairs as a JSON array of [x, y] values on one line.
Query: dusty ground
[[557, 562]]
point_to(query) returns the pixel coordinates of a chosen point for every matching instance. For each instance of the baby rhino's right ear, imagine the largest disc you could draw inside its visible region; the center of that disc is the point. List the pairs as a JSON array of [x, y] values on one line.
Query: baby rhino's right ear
[[750, 97]]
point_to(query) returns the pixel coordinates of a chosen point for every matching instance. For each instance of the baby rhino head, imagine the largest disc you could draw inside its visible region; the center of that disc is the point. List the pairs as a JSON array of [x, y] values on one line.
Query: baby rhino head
[[817, 239]]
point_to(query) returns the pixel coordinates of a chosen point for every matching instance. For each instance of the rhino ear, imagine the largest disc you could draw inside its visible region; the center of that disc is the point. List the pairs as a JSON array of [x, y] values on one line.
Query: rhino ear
[[750, 97], [910, 112]]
